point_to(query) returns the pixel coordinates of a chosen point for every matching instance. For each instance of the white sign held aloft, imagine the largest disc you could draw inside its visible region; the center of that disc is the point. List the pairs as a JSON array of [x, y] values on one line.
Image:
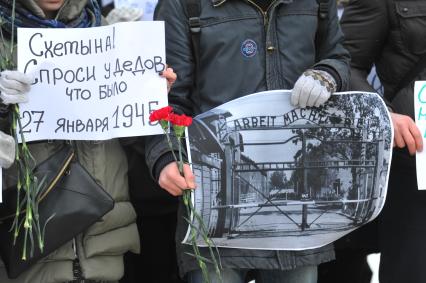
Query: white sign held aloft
[[94, 83], [420, 115]]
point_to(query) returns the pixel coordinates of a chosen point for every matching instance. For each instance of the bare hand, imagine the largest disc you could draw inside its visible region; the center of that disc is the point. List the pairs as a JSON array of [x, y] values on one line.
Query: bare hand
[[172, 181], [170, 75], [406, 133]]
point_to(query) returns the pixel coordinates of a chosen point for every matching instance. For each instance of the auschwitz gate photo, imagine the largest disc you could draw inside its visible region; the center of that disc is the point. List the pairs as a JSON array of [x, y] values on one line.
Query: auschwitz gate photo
[[271, 176]]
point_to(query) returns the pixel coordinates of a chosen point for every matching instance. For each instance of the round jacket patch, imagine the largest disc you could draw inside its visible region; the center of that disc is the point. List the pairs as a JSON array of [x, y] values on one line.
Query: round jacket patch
[[249, 48]]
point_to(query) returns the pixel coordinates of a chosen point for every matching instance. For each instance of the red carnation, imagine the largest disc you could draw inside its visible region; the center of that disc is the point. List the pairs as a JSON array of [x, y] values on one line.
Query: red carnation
[[180, 120], [161, 114]]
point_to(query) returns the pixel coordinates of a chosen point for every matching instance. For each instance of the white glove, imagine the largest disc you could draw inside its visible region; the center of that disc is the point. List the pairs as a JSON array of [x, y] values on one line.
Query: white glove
[[7, 150], [313, 88], [124, 14], [14, 87]]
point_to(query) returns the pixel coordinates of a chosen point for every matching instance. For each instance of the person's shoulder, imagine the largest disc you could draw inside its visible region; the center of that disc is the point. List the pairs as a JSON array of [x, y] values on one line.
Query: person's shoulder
[[172, 3], [378, 4], [365, 10], [165, 5]]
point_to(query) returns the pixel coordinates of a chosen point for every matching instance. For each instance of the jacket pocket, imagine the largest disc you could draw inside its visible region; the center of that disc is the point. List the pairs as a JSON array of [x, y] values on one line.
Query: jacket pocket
[[412, 20]]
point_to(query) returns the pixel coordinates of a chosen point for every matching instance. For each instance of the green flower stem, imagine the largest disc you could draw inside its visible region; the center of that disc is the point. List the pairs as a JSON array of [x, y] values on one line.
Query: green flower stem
[[179, 132], [26, 214], [24, 250], [165, 126], [15, 224], [180, 157], [13, 27], [203, 232], [193, 233], [29, 184]]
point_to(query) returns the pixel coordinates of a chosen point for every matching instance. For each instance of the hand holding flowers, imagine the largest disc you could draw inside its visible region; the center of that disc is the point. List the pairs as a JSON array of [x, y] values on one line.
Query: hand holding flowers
[[177, 178], [173, 182]]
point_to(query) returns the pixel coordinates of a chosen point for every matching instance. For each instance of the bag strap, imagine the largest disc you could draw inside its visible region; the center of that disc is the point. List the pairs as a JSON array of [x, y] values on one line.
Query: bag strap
[[323, 11], [410, 75], [193, 10]]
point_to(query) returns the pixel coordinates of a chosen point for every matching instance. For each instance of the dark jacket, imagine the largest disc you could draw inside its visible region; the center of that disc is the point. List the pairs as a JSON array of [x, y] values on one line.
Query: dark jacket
[[282, 45], [390, 34], [147, 197]]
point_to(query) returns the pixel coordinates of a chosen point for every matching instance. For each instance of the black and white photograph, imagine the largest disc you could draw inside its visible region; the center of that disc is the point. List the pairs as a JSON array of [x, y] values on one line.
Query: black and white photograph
[[272, 176]]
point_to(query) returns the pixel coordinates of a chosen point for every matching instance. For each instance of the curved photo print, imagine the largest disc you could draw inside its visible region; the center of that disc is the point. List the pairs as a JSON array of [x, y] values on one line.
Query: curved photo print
[[272, 176]]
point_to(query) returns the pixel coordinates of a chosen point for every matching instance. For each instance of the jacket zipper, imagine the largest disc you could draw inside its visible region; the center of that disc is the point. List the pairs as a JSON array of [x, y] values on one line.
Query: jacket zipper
[[264, 13], [218, 4], [77, 273], [265, 27], [61, 173]]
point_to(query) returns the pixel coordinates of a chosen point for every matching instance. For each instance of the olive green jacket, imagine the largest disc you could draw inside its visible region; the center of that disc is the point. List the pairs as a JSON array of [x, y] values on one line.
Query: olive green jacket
[[101, 247]]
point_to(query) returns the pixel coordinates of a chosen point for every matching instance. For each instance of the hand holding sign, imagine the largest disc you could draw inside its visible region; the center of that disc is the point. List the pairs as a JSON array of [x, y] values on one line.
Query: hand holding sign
[[170, 76], [406, 133], [14, 87]]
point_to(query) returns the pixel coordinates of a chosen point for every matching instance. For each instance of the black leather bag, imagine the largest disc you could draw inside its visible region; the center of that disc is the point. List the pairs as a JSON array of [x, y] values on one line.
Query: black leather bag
[[70, 194]]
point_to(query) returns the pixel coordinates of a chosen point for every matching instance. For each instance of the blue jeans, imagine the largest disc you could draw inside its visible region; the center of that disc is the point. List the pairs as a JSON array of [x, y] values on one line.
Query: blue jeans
[[304, 274]]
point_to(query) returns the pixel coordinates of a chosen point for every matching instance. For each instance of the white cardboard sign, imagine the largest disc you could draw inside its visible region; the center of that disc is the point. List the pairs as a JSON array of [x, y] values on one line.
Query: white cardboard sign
[[94, 83], [420, 115]]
